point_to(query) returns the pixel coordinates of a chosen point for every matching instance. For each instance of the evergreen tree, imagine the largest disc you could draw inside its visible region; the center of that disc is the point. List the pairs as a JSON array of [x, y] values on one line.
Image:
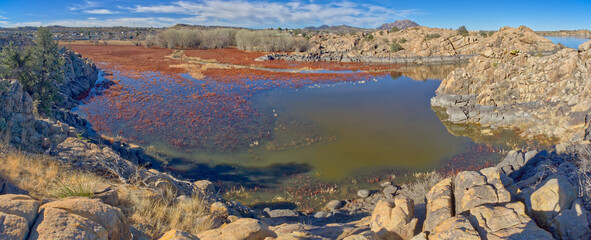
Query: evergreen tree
[[46, 65], [463, 31], [13, 63]]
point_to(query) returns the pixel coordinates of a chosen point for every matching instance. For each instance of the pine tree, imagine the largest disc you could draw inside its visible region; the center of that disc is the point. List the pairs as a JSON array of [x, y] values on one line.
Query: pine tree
[[13, 63], [46, 66]]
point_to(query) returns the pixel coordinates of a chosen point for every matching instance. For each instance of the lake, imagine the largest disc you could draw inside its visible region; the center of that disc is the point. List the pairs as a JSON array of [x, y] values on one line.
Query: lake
[[570, 42], [302, 137]]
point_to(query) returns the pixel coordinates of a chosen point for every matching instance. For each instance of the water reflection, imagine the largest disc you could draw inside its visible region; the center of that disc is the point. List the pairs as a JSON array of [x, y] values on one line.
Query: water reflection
[[502, 138], [570, 42], [424, 72]]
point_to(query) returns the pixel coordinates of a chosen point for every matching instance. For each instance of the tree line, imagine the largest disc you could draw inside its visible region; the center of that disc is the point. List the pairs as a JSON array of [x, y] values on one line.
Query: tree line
[[248, 40]]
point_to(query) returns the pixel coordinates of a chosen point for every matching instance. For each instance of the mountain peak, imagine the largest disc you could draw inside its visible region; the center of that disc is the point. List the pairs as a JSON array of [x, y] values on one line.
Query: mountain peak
[[400, 24]]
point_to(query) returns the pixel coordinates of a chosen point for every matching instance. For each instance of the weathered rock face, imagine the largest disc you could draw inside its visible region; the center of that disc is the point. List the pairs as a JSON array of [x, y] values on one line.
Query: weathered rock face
[[54, 223], [476, 188], [242, 229], [17, 215], [420, 44], [439, 204], [16, 107], [555, 195], [106, 162], [13, 227], [16, 114], [80, 76], [90, 211], [508, 221], [571, 223], [541, 95], [394, 221], [20, 205], [457, 227]]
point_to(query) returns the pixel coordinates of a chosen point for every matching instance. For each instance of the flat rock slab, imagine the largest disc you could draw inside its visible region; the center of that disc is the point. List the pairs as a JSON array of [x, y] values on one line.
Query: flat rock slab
[[508, 221], [457, 227]]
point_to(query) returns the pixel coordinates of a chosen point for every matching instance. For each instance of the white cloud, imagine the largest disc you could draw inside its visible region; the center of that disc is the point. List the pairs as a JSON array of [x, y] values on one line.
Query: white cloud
[[239, 13], [110, 22], [250, 13], [86, 5], [100, 11], [2, 17], [19, 24]]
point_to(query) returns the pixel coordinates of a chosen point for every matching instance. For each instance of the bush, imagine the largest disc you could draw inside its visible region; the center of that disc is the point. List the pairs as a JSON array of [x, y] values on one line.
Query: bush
[[192, 38], [402, 40], [463, 31], [269, 41], [418, 186], [79, 190], [369, 37], [432, 36], [394, 29], [395, 47]]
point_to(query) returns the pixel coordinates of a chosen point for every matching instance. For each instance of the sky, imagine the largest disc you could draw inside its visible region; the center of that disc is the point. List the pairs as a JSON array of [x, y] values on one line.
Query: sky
[[475, 15]]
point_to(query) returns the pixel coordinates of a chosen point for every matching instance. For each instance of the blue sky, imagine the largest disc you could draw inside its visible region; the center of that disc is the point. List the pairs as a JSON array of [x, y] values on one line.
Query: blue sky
[[474, 14]]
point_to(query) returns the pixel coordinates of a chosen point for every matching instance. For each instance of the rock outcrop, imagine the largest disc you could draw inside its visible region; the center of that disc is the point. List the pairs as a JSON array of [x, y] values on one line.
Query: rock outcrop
[[539, 95], [418, 45], [440, 205], [473, 189], [70, 218], [80, 76], [17, 117], [394, 221], [457, 227], [245, 228], [507, 221], [105, 161]]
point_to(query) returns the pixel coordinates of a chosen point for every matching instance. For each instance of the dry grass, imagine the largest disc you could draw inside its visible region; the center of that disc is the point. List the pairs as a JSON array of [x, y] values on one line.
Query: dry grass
[[584, 177], [163, 212], [44, 176], [419, 184]]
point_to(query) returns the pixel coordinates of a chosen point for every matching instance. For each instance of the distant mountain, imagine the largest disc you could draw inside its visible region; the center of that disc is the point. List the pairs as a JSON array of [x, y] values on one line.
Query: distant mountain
[[335, 29], [400, 24]]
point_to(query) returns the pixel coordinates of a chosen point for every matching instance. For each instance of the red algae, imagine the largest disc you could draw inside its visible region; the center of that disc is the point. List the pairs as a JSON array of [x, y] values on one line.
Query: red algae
[[150, 99]]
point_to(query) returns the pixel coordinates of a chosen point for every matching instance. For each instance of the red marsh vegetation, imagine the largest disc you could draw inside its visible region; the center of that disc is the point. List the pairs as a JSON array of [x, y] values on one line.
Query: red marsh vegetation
[[152, 100]]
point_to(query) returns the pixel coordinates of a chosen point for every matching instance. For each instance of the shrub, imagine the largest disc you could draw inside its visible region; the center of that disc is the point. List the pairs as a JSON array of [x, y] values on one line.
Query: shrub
[[269, 41], [163, 212], [369, 37], [419, 185], [432, 36], [402, 40], [463, 31], [192, 38], [395, 47], [79, 190], [394, 29]]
